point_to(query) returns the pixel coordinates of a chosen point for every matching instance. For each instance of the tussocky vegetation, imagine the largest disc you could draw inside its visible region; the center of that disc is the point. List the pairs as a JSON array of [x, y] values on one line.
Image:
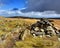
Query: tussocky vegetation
[[15, 33]]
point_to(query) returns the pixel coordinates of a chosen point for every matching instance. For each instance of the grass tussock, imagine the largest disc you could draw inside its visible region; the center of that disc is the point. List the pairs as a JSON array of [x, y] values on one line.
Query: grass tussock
[[7, 25]]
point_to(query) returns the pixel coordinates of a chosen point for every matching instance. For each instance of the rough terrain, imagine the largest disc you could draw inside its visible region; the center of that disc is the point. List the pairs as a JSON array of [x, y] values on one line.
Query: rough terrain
[[13, 29]]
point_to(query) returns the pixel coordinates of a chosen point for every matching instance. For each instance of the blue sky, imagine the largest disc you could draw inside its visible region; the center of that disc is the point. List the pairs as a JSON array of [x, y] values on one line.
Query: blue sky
[[9, 4], [30, 8]]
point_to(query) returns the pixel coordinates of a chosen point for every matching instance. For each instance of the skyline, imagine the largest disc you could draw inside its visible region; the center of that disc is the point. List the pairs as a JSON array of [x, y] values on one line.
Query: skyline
[[30, 8]]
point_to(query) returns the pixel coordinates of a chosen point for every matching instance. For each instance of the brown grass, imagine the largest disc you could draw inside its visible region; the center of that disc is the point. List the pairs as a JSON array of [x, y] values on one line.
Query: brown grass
[[56, 21]]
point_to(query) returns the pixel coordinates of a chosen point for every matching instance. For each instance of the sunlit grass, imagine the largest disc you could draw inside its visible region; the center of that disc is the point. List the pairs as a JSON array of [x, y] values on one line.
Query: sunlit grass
[[7, 25]]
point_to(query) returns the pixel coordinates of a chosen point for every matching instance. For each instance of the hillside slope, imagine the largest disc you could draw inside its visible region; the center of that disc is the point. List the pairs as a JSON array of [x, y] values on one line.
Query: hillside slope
[[10, 29]]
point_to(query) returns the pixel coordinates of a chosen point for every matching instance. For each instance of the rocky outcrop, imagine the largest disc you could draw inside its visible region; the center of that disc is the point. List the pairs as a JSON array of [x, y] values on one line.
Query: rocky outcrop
[[44, 27]]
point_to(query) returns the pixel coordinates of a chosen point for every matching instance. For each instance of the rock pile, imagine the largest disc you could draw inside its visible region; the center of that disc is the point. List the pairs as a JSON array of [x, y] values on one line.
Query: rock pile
[[44, 27]]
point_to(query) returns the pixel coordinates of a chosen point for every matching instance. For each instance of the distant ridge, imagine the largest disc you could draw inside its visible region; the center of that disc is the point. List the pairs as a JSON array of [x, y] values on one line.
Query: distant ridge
[[29, 17]]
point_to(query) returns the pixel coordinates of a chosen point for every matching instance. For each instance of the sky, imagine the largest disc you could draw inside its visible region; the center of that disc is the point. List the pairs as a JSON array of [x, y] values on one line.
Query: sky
[[43, 5], [10, 4], [30, 8]]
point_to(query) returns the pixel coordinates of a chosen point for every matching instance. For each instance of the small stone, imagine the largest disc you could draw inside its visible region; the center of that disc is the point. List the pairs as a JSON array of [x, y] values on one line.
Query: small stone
[[58, 39]]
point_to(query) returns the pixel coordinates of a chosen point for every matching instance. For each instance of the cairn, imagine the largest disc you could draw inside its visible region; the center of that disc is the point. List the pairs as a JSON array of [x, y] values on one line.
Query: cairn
[[44, 27]]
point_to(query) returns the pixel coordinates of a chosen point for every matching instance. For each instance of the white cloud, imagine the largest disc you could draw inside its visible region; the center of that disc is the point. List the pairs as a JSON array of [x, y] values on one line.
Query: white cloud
[[45, 14]]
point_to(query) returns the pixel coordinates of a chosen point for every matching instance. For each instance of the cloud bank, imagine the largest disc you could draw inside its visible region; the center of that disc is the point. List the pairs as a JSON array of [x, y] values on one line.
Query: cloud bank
[[43, 5], [45, 14]]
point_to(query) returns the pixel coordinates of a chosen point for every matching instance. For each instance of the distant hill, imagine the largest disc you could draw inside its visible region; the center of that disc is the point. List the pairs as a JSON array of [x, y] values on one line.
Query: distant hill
[[29, 17]]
